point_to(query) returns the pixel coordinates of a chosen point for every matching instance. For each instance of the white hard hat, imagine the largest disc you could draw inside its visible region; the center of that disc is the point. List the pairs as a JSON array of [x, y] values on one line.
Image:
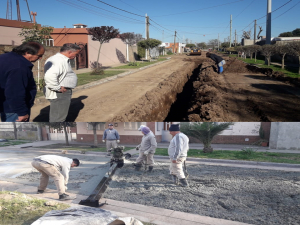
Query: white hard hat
[[141, 127]]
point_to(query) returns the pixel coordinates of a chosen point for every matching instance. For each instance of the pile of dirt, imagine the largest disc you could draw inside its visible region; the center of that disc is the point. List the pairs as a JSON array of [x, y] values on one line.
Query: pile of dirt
[[208, 98], [241, 93], [252, 196]]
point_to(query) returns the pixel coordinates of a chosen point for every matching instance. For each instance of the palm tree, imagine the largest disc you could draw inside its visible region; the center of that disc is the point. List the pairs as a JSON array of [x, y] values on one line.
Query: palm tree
[[204, 131]]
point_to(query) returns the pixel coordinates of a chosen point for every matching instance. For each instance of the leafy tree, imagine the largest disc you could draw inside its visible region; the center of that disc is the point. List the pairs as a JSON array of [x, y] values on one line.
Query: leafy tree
[[286, 34], [295, 47], [36, 33], [296, 32], [201, 45], [256, 49], [149, 43], [204, 131], [250, 49], [268, 51], [225, 45], [213, 43], [95, 124], [190, 45], [103, 34], [282, 50]]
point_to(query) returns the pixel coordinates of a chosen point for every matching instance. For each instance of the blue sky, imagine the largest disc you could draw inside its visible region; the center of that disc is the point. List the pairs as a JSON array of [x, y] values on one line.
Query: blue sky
[[196, 20]]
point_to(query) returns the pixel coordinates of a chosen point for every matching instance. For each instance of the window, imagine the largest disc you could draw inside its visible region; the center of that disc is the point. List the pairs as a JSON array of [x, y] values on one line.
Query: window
[[48, 42], [100, 126], [133, 125]]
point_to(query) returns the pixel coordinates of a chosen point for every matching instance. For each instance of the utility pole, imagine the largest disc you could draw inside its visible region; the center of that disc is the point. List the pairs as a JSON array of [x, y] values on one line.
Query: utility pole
[[268, 29], [174, 42], [254, 32], [18, 10], [147, 33], [230, 30], [235, 39]]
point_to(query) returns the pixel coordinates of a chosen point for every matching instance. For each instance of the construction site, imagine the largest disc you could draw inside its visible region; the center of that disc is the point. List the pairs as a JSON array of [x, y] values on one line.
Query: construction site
[[187, 88], [219, 192]]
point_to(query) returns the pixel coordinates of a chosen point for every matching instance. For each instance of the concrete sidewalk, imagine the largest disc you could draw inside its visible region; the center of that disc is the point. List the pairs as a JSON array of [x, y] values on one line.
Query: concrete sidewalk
[[159, 216], [224, 147]]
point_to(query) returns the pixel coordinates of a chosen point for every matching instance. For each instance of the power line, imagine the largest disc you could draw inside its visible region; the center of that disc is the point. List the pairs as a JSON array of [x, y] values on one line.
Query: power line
[[130, 5], [200, 9], [160, 25], [244, 9], [96, 12], [275, 10], [107, 10], [119, 8]]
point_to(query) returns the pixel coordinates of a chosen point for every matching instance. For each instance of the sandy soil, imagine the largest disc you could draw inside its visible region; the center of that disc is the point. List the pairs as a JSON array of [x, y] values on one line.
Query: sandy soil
[[252, 196], [114, 100], [187, 88]]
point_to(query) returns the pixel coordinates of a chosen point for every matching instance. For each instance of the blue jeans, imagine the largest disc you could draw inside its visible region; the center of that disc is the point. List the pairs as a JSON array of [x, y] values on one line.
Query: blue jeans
[[9, 117]]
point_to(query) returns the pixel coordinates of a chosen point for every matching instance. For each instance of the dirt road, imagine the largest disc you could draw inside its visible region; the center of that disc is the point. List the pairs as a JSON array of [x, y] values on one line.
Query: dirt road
[[187, 88]]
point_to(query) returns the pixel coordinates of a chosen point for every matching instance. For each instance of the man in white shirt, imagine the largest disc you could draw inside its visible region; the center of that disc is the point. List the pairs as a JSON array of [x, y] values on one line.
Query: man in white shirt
[[60, 79], [58, 168], [177, 152]]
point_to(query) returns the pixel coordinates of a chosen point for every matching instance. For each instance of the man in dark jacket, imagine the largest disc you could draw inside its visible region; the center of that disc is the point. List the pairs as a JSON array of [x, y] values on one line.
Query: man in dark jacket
[[17, 85], [218, 60]]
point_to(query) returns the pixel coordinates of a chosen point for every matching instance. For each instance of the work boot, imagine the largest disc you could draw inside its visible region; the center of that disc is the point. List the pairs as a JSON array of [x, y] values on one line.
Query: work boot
[[184, 182], [138, 167], [40, 191], [150, 168], [175, 179], [65, 197]]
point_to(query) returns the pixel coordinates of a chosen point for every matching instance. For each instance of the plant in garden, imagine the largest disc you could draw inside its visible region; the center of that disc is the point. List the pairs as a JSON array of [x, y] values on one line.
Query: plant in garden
[[36, 33], [248, 151], [102, 34], [149, 43], [295, 47], [282, 50], [268, 51], [190, 45], [204, 131]]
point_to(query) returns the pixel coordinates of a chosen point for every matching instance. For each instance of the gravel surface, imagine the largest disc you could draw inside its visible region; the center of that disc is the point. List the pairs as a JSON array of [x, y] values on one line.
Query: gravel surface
[[252, 196]]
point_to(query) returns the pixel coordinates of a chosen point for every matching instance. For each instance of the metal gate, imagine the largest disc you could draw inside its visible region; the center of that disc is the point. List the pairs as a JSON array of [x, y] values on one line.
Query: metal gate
[[81, 58]]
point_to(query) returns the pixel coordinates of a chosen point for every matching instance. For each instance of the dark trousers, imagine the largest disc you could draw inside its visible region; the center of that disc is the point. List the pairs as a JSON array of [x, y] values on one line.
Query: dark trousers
[[59, 107]]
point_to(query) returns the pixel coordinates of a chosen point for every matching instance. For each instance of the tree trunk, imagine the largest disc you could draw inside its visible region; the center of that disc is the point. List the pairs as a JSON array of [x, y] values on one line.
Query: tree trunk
[[251, 54], [132, 54], [15, 131], [299, 65], [208, 149], [282, 64], [95, 134], [66, 134], [255, 56], [269, 60], [99, 55]]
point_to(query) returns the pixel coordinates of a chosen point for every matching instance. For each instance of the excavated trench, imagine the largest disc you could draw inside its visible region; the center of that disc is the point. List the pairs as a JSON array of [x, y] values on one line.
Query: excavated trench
[[196, 92]]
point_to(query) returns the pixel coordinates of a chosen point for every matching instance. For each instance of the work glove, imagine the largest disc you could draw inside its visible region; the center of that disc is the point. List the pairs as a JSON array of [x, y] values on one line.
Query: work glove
[[118, 141], [103, 140], [146, 152], [137, 148]]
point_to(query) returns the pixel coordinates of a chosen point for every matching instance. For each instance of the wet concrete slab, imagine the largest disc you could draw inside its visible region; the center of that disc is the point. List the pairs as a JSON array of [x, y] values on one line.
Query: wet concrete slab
[[15, 166]]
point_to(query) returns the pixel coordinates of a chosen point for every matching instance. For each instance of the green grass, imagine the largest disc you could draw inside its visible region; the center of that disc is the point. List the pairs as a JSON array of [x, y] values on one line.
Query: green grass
[[14, 142], [22, 209], [141, 64], [288, 71], [240, 155], [85, 78]]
